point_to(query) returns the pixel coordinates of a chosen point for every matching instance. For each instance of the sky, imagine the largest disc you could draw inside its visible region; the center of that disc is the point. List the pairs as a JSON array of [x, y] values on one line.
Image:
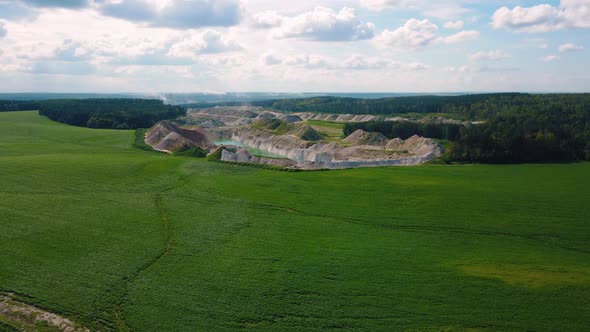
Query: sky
[[219, 46]]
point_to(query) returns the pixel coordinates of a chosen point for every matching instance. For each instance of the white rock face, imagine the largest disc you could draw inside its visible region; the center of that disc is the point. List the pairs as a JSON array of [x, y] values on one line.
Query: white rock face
[[414, 151], [242, 156]]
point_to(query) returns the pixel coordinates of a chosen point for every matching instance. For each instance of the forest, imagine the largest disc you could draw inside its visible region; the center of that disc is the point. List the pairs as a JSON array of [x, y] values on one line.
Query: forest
[[18, 105], [553, 130], [109, 113]]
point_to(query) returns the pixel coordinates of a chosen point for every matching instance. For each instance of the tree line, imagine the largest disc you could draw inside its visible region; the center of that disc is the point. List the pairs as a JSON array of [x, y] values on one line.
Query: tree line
[[18, 105], [109, 113], [507, 136], [406, 129]]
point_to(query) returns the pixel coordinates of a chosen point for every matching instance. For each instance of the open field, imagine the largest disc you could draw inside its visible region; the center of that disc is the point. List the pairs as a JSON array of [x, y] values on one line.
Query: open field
[[332, 131], [122, 239]]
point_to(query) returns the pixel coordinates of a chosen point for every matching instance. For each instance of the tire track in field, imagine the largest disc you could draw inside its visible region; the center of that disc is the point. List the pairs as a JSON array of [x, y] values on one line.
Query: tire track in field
[[539, 239], [118, 308]]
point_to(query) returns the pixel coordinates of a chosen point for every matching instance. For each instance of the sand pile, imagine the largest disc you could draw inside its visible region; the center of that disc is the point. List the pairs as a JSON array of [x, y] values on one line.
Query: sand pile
[[168, 137]]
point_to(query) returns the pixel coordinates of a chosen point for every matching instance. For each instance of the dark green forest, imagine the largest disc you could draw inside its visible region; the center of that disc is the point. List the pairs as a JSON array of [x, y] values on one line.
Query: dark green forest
[[18, 105], [109, 113], [99, 113], [535, 129]]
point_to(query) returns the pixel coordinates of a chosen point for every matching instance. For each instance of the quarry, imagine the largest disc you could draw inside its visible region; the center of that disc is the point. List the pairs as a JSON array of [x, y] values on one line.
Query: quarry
[[245, 134]]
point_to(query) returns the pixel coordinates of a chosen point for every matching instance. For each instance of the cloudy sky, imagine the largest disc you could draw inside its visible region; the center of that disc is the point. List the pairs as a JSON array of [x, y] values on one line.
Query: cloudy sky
[[294, 45]]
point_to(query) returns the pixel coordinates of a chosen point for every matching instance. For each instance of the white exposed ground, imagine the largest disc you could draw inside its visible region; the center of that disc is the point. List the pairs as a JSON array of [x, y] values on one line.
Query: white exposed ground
[[414, 151], [360, 149]]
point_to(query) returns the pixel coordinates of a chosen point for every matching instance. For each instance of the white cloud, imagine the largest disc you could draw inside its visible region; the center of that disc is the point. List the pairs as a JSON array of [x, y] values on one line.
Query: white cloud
[[441, 9], [416, 34], [324, 24], [184, 14], [3, 31], [374, 63], [72, 50], [496, 55], [307, 61], [543, 18], [358, 62], [460, 37], [270, 59], [550, 58], [353, 63], [456, 25], [208, 42], [266, 19], [379, 5], [570, 48], [412, 35]]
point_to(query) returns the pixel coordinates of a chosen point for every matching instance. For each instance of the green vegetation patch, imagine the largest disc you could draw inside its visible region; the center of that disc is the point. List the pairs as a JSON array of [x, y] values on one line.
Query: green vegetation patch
[[280, 127], [531, 276], [116, 238]]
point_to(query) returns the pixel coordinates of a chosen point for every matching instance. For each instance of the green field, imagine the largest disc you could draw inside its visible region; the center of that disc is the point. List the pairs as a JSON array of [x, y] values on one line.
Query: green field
[[123, 239]]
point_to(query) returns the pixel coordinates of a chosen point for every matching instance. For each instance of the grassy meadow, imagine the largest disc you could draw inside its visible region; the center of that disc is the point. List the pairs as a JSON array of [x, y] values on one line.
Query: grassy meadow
[[122, 239]]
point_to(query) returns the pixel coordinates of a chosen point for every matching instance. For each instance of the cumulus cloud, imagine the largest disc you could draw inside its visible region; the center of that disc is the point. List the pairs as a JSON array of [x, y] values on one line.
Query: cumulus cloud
[[550, 58], [72, 50], [358, 62], [324, 24], [442, 9], [3, 31], [570, 48], [496, 55], [266, 20], [543, 18], [184, 14], [208, 42], [460, 37], [456, 25], [354, 63], [307, 61], [416, 34], [270, 59], [185, 50], [379, 5], [413, 34]]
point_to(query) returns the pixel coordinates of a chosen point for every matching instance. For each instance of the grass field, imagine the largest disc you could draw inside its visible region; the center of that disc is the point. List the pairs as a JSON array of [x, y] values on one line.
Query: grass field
[[332, 131], [122, 239]]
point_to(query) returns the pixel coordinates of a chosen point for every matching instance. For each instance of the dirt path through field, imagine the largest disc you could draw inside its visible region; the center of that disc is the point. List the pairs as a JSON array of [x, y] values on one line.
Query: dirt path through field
[[27, 317]]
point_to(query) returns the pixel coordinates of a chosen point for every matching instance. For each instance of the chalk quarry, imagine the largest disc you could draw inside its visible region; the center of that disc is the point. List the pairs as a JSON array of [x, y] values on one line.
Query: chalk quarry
[[288, 135]]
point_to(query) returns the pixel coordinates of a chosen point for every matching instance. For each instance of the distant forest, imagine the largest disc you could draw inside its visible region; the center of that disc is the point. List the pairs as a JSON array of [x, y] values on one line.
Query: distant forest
[[100, 113], [467, 107], [516, 128]]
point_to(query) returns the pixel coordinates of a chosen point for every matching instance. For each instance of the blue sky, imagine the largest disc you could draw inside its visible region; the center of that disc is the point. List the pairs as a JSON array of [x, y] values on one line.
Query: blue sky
[[294, 46]]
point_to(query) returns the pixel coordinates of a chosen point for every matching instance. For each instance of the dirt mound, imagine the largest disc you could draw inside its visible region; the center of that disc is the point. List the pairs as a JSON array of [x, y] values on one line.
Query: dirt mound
[[290, 118], [361, 137], [306, 132], [281, 127], [168, 137]]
